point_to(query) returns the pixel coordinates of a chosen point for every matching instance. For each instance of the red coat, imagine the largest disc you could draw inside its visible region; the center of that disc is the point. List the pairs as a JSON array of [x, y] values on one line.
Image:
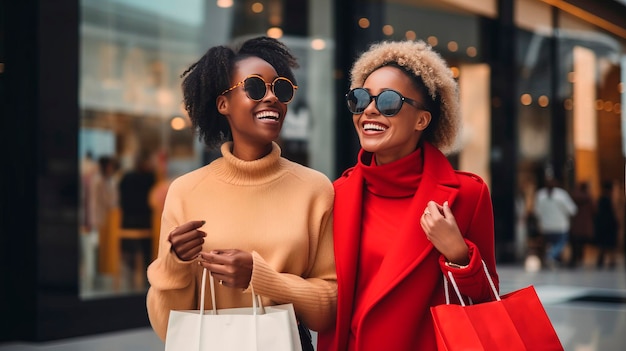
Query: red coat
[[410, 279]]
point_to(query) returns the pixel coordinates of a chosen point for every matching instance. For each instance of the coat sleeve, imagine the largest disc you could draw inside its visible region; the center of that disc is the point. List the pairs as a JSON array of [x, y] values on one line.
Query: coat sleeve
[[172, 283], [472, 280], [314, 295]]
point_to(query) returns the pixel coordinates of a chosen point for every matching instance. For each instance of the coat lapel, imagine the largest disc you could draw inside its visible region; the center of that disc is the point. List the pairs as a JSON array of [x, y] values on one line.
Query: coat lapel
[[440, 184], [347, 226]]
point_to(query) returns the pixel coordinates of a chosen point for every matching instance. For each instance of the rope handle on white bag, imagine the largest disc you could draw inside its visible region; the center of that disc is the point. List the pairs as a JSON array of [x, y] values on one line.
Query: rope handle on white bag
[[456, 287], [255, 297]]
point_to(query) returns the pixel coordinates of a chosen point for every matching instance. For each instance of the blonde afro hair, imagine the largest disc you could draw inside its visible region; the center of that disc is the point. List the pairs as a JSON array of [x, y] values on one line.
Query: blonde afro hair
[[418, 58]]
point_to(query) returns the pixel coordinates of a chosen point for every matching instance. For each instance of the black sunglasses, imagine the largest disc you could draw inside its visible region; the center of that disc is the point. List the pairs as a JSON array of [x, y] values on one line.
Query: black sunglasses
[[388, 102], [256, 88]]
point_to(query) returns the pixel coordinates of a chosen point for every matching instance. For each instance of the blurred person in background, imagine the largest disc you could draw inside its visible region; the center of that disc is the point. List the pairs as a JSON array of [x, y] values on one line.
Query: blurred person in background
[[606, 226], [554, 209], [581, 226], [103, 206], [136, 222], [90, 217]]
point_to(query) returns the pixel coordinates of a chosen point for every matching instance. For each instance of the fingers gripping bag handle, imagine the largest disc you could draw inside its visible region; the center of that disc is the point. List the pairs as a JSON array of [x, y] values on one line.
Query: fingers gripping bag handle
[[257, 303]]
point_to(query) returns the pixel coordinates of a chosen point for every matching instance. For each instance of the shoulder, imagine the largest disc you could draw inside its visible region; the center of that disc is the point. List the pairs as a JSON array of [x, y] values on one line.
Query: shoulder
[[471, 178], [562, 192], [471, 181], [188, 181], [344, 177], [306, 174], [307, 183]]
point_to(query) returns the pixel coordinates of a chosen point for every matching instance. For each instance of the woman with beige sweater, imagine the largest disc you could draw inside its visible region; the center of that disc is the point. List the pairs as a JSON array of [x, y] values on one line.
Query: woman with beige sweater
[[251, 217]]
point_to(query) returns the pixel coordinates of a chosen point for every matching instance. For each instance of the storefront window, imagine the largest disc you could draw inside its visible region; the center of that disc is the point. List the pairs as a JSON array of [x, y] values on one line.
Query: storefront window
[[573, 76], [535, 103], [569, 109], [593, 98], [135, 136]]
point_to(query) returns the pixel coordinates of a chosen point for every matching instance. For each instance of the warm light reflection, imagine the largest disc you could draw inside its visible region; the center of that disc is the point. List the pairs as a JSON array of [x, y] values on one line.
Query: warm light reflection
[[364, 23], [617, 108], [453, 46], [620, 87], [543, 101], [432, 40], [275, 32], [388, 29], [318, 44], [257, 7], [471, 51], [224, 3], [608, 106], [178, 123], [410, 35], [526, 99], [599, 104], [568, 104], [455, 72]]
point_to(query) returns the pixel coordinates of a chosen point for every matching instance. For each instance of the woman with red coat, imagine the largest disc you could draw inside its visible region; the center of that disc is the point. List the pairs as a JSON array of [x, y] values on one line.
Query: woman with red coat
[[403, 216]]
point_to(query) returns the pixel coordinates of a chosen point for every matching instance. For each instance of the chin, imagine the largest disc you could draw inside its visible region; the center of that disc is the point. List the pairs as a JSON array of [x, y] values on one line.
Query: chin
[[370, 148]]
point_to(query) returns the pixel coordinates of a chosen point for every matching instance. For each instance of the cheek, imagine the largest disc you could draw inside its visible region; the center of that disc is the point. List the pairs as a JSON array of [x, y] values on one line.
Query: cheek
[[284, 109], [406, 123]]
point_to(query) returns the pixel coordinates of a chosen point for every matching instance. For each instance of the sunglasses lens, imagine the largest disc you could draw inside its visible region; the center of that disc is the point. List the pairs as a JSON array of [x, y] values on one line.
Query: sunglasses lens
[[357, 100], [389, 103], [255, 88], [283, 89]]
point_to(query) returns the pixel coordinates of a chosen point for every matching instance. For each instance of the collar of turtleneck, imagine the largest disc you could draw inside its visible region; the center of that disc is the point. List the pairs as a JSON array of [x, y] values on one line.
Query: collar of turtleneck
[[237, 171], [399, 178]]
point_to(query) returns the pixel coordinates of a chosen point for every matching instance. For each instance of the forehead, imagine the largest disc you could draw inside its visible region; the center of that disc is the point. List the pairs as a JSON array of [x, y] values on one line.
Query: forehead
[[387, 77], [253, 65]]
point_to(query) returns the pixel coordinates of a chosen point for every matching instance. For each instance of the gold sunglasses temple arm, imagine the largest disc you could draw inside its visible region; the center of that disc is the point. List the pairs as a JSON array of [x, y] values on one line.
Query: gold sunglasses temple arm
[[233, 87]]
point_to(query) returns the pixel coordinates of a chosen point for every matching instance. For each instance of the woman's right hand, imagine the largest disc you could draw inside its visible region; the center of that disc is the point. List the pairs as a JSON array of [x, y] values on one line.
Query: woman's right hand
[[187, 240]]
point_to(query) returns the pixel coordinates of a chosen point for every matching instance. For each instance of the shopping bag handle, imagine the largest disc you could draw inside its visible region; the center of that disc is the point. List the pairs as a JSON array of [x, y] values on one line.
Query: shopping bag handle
[[257, 303], [456, 287]]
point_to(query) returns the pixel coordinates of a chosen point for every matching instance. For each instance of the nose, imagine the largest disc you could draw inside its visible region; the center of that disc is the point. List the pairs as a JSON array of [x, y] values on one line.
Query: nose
[[269, 92], [371, 106]]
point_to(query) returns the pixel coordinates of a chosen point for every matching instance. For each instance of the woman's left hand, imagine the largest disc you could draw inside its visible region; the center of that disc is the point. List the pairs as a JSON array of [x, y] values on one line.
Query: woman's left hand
[[232, 267], [443, 232]]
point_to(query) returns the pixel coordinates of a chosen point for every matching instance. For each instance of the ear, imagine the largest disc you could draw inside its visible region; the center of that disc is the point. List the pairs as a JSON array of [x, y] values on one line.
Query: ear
[[423, 120], [222, 105]]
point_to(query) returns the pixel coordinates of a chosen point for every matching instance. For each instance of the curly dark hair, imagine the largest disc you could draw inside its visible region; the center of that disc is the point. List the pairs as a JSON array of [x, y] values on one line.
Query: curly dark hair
[[206, 79]]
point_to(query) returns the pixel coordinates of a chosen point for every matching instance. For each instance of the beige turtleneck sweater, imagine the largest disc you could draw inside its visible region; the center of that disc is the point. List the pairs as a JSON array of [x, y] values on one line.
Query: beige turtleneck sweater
[[278, 210]]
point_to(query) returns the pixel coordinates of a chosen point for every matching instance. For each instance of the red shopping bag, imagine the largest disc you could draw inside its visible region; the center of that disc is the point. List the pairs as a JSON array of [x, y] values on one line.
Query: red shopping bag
[[515, 321]]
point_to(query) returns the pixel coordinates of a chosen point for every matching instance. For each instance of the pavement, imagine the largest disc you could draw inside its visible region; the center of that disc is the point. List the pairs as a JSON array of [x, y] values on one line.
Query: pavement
[[587, 307]]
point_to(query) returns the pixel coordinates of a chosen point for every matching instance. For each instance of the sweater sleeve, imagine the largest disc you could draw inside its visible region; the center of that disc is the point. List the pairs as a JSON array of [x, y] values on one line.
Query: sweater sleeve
[[314, 296], [472, 280], [172, 284]]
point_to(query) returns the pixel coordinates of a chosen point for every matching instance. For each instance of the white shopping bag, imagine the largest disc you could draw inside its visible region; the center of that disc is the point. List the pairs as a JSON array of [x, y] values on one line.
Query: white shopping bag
[[248, 328]]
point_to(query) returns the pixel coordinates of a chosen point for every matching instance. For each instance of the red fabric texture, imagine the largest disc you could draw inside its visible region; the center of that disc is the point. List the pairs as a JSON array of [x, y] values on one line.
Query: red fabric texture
[[395, 309], [385, 203]]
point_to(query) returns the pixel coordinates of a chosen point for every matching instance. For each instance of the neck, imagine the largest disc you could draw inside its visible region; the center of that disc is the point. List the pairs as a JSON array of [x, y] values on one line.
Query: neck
[[250, 152]]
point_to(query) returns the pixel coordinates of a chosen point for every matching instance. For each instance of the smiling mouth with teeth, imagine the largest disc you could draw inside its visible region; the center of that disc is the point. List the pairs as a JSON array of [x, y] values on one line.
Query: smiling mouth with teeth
[[374, 127], [268, 115]]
